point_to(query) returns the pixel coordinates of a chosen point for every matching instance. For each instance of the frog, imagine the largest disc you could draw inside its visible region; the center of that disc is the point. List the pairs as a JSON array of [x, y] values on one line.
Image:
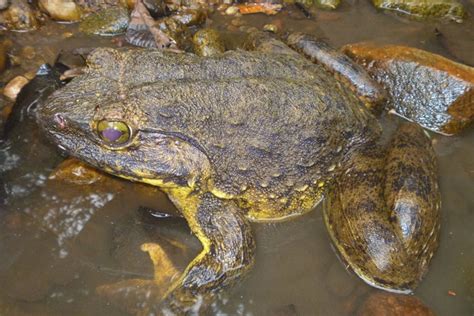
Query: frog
[[261, 134]]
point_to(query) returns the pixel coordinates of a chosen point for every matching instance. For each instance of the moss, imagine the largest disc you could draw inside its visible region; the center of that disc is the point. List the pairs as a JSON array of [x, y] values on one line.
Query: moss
[[450, 9], [107, 22]]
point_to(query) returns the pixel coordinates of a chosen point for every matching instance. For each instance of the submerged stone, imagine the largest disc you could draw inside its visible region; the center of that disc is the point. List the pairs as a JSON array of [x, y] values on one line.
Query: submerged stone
[[429, 89], [207, 42], [107, 22], [381, 303], [327, 4], [450, 9], [19, 16]]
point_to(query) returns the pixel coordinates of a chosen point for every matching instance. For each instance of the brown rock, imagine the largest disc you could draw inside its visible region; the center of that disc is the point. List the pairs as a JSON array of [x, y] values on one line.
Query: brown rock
[[76, 172], [426, 88], [14, 87], [19, 17], [61, 10], [3, 58], [388, 304]]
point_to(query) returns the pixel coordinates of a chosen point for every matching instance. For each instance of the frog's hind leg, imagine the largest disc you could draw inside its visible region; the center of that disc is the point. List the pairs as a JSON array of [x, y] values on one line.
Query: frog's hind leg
[[383, 213], [228, 252], [344, 68]]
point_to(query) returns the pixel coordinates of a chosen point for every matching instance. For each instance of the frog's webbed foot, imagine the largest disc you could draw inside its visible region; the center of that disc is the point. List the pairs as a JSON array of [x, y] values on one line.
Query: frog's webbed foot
[[139, 296], [344, 68], [383, 214], [228, 252]]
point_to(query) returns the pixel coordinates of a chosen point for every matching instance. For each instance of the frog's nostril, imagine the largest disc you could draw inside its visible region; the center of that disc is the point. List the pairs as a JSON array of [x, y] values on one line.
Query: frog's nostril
[[60, 121]]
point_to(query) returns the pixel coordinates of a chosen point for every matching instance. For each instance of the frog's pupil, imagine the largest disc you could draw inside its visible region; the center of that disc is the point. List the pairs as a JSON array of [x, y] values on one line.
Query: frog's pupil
[[111, 134]]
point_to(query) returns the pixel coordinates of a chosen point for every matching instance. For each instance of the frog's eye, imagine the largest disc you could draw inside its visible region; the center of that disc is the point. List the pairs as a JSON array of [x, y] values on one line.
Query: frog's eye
[[113, 132]]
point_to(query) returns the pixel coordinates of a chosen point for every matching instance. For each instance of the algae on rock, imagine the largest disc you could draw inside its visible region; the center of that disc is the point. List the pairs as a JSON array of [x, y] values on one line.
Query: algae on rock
[[107, 22], [450, 9]]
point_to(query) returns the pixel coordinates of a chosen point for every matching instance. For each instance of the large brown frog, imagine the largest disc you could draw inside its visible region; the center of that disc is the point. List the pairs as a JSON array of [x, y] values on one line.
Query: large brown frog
[[259, 135]]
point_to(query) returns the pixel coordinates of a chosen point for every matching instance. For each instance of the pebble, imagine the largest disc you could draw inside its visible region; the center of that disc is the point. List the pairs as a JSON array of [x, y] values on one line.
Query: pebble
[[270, 28], [388, 304], [232, 10], [14, 87], [61, 10]]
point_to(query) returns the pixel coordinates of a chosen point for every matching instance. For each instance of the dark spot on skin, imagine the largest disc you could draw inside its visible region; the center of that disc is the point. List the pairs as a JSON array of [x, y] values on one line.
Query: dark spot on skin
[[367, 206]]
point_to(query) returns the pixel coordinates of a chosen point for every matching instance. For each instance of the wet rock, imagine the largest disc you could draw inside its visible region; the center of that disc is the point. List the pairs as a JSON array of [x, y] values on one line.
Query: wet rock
[[5, 110], [270, 28], [89, 6], [3, 58], [107, 22], [266, 8], [14, 87], [190, 17], [287, 310], [207, 42], [387, 304], [450, 9], [423, 87], [232, 10], [19, 17], [76, 172], [4, 4], [61, 10], [328, 4]]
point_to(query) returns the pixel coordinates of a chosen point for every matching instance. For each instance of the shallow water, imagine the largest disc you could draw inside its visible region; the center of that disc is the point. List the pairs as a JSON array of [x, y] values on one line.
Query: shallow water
[[59, 241]]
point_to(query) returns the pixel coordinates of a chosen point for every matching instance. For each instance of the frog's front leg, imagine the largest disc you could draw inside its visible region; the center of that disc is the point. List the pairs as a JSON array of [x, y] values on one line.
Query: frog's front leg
[[383, 214], [228, 251]]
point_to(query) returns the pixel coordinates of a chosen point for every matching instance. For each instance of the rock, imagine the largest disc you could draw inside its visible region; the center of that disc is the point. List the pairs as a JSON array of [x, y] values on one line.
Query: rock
[[3, 58], [231, 10], [14, 87], [287, 310], [5, 110], [429, 89], [61, 10], [207, 42], [450, 9], [387, 304], [270, 28], [190, 17], [19, 17], [327, 4], [107, 22], [4, 4], [266, 8], [28, 52], [76, 172]]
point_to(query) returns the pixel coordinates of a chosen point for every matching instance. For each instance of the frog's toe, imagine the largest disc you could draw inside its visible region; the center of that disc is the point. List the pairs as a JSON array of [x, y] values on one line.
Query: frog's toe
[[141, 296]]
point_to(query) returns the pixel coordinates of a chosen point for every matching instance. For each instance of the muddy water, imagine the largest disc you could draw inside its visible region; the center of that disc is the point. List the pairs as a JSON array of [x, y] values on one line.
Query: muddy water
[[59, 241]]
